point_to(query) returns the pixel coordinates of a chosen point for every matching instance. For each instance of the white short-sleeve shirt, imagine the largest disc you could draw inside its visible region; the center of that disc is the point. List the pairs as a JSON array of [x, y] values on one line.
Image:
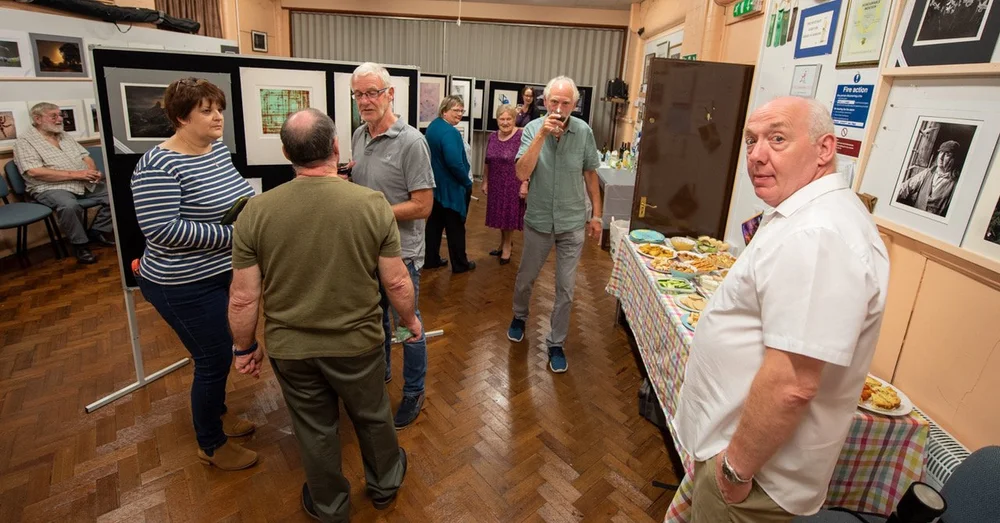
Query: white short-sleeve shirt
[[812, 282]]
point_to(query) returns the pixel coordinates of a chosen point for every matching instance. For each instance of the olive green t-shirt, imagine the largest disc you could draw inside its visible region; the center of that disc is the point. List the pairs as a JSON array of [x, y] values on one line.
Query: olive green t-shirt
[[317, 241]]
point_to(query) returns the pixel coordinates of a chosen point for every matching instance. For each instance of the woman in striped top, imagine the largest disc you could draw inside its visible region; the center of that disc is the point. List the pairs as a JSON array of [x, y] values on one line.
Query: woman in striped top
[[182, 188]]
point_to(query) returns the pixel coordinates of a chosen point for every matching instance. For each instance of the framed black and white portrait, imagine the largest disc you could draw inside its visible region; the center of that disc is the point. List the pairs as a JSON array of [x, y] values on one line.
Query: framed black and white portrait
[[933, 166], [258, 41], [939, 32], [983, 234]]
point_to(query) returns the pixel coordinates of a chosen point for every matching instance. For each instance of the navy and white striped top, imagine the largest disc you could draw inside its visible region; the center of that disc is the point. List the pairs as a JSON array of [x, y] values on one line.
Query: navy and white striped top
[[179, 201]]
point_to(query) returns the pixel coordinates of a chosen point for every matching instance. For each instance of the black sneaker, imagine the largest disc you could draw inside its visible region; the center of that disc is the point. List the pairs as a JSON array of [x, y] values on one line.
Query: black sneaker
[[99, 238], [383, 503], [83, 255], [408, 411], [307, 503], [515, 332]]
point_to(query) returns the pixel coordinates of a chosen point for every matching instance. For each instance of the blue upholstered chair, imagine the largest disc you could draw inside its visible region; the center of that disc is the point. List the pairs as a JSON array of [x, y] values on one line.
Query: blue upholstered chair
[[19, 215]]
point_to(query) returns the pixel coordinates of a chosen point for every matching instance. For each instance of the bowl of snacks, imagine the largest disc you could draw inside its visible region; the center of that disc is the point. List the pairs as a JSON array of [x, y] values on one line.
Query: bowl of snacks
[[682, 270], [681, 243], [707, 245], [674, 286]]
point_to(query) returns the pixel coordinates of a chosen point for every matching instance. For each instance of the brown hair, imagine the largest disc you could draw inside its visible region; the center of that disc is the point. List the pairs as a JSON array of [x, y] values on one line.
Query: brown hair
[[186, 94], [534, 93]]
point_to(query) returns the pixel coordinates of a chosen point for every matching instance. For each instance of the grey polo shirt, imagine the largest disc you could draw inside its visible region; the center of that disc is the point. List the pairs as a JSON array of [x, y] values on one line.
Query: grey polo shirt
[[395, 163], [557, 195]]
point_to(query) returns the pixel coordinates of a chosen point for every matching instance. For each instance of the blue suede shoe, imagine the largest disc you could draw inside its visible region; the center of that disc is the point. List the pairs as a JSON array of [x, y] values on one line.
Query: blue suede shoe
[[516, 331], [557, 360]]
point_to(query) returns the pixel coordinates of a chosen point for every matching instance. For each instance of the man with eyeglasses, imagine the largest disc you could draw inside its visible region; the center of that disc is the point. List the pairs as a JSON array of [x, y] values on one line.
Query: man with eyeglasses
[[393, 158], [59, 172]]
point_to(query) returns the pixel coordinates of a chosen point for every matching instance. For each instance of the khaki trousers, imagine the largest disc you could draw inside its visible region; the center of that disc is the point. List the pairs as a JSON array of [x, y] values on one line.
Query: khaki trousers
[[709, 507]]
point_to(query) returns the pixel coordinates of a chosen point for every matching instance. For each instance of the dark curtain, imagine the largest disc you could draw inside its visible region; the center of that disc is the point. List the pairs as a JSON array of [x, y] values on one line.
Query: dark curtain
[[206, 12]]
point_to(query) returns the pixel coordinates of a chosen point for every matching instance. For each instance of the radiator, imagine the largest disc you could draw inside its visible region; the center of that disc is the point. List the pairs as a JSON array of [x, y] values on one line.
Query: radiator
[[944, 453]]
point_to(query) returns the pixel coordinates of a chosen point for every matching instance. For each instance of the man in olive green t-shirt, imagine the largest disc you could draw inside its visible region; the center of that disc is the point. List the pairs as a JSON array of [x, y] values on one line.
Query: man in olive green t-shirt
[[315, 249]]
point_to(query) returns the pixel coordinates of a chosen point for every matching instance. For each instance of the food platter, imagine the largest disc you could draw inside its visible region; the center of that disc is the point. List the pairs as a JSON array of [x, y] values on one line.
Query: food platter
[[683, 302], [905, 405], [674, 286], [686, 320], [655, 250]]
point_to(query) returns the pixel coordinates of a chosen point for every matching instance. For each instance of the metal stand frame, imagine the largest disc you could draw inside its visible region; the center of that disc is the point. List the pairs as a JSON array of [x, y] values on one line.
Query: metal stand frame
[[141, 379], [431, 334]]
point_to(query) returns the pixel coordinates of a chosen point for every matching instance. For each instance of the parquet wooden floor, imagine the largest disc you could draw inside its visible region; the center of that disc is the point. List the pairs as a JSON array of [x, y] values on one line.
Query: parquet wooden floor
[[500, 437]]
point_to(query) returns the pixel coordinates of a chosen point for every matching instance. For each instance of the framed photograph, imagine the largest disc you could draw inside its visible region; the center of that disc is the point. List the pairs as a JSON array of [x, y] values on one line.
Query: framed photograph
[[124, 125], [463, 87], [501, 97], [939, 32], [145, 118], [805, 78], [432, 92], [74, 119], [817, 30], [983, 234], [258, 41], [15, 55], [93, 120], [463, 129], [864, 32], [59, 56], [231, 49], [477, 104], [14, 120], [269, 95]]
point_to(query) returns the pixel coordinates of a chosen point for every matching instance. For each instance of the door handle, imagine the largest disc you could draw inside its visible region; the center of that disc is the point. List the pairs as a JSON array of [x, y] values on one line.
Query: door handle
[[643, 206]]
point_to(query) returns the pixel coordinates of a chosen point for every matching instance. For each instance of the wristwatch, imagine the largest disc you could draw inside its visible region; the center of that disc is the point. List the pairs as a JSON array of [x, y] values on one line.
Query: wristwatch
[[597, 219], [252, 349], [730, 473]]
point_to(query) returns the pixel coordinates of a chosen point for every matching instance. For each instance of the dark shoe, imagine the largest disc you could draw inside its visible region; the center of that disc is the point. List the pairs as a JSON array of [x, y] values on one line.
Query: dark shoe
[[408, 411], [100, 239], [388, 377], [496, 252], [557, 360], [307, 503], [505, 261], [83, 255], [440, 263], [471, 265], [383, 503], [516, 331]]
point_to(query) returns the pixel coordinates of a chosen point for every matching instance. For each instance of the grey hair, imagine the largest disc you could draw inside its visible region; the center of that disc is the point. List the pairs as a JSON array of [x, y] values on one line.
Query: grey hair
[[371, 69], [309, 144], [449, 103], [40, 109], [507, 108], [561, 79], [820, 120]]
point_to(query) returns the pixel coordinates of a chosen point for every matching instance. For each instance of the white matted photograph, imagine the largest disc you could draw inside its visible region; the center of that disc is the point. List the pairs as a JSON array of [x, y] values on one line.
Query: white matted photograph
[[269, 95], [258, 41], [983, 234], [15, 54], [14, 120], [93, 120], [145, 118], [952, 21], [462, 87], [463, 129], [432, 91], [934, 163]]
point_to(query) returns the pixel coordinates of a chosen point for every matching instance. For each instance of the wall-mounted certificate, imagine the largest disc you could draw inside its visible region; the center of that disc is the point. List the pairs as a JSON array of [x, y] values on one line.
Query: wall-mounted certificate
[[864, 32]]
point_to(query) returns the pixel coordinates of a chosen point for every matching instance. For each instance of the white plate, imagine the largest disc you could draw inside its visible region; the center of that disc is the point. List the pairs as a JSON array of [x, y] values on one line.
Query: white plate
[[660, 245], [905, 405], [677, 300]]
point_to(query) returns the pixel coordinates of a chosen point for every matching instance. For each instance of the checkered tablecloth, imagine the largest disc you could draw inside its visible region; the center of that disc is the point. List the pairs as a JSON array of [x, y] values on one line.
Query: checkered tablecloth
[[881, 457]]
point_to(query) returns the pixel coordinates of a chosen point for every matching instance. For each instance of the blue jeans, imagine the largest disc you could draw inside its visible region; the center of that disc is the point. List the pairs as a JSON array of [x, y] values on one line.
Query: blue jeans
[[414, 354], [198, 314]]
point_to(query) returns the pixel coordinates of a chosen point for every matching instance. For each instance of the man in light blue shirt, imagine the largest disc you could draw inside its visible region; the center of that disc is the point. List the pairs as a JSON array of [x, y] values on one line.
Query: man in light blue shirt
[[559, 158]]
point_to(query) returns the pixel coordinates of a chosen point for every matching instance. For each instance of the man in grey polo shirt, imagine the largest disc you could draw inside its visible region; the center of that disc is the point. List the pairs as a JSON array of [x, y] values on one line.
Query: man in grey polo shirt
[[393, 158], [559, 158]]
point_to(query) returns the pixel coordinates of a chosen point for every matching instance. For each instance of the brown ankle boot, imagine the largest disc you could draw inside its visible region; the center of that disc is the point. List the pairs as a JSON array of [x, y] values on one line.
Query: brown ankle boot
[[236, 427], [230, 456]]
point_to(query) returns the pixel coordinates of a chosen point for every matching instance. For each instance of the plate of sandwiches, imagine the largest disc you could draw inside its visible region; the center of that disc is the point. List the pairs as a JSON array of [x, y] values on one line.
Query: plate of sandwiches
[[691, 302], [881, 397]]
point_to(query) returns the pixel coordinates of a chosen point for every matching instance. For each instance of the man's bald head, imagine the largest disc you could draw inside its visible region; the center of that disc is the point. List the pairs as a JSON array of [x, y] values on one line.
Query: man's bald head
[[307, 138]]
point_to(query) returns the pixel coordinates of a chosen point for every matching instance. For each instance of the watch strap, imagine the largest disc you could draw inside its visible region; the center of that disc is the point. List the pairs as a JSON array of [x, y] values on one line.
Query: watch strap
[[252, 349]]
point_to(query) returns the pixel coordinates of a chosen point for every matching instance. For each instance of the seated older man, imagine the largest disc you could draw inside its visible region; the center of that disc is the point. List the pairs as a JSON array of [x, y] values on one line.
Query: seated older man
[[58, 172]]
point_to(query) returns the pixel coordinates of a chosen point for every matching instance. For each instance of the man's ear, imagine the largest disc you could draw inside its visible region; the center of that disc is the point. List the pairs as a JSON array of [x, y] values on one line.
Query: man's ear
[[827, 145], [336, 148], [284, 152]]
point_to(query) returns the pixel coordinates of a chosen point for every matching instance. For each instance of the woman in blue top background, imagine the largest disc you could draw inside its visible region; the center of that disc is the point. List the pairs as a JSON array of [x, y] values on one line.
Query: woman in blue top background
[[181, 189], [454, 186]]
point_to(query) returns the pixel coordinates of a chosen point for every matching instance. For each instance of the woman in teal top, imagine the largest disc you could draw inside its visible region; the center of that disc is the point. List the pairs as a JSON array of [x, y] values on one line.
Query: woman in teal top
[[453, 188]]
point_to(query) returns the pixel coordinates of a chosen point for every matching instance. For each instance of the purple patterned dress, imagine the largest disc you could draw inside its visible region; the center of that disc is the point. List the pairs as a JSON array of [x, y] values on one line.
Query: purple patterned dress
[[504, 206]]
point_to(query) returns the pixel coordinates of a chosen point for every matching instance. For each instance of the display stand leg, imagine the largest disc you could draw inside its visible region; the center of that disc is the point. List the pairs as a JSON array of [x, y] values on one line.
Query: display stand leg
[[431, 334], [140, 374]]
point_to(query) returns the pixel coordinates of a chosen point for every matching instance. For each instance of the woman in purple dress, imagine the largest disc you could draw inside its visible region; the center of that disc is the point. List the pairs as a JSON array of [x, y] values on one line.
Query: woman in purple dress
[[505, 193]]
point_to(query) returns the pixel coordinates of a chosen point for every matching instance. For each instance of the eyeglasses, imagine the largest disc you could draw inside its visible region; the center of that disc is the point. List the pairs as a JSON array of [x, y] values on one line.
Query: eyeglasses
[[371, 95], [54, 116]]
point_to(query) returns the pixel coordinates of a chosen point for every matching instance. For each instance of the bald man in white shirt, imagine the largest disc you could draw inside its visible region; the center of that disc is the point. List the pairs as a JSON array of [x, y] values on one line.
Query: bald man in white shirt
[[784, 345]]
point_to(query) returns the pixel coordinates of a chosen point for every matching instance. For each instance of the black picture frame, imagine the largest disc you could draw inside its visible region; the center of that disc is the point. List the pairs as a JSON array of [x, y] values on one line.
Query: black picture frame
[[962, 52], [258, 41]]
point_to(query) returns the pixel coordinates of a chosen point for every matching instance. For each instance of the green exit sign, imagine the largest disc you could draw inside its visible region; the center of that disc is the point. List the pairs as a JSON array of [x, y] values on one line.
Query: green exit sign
[[745, 7], [689, 57]]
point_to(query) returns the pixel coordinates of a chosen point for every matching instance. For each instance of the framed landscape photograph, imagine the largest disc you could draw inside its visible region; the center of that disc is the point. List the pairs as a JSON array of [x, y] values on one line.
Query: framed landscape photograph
[[940, 32], [145, 117], [59, 56], [15, 55], [864, 32]]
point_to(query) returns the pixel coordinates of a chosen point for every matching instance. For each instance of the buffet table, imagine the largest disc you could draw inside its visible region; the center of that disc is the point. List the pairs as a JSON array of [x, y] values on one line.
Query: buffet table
[[879, 460]]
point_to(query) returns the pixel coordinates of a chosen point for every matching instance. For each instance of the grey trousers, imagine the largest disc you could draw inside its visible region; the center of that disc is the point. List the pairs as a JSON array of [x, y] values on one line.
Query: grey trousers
[[312, 388], [537, 245], [72, 218]]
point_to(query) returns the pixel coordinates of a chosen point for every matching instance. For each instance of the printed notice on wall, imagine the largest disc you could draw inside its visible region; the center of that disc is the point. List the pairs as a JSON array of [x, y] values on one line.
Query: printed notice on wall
[[851, 105], [816, 30]]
